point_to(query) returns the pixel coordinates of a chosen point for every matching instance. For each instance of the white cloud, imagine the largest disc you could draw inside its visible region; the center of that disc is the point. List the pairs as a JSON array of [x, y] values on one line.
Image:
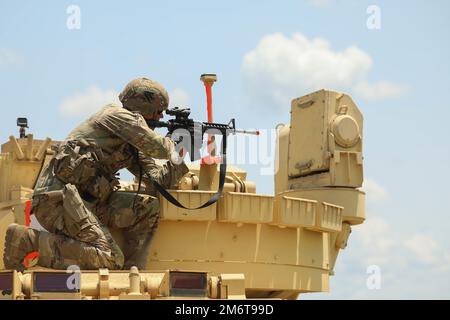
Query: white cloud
[[374, 191], [178, 98], [281, 68], [88, 102], [425, 248], [93, 99], [412, 265], [7, 57], [380, 90], [403, 257], [374, 235]]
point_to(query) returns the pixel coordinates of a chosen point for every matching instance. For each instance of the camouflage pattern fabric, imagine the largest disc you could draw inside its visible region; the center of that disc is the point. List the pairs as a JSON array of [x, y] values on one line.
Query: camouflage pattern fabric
[[76, 236], [79, 232], [167, 174], [145, 96], [138, 217], [114, 129], [76, 197]]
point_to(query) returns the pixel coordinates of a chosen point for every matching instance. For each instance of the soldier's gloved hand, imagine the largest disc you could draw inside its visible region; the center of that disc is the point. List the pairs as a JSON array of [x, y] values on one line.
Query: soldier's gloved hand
[[174, 156], [178, 157]]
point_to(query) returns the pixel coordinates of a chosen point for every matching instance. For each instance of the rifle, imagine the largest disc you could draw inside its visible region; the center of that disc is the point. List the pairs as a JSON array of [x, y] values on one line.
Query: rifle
[[189, 132]]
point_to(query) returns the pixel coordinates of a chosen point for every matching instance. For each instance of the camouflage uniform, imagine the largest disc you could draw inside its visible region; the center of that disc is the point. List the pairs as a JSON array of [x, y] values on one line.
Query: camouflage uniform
[[76, 196]]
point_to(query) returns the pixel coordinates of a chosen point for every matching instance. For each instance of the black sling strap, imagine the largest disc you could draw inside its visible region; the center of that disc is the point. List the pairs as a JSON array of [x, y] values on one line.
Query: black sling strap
[[212, 200]]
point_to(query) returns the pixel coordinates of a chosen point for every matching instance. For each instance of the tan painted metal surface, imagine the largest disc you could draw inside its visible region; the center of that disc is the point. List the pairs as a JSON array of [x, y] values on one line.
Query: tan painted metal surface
[[247, 245]]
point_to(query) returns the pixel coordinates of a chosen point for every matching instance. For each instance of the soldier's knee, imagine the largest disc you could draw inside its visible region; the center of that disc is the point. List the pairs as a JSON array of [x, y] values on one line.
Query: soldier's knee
[[95, 258], [146, 206], [152, 212], [60, 252], [146, 201]]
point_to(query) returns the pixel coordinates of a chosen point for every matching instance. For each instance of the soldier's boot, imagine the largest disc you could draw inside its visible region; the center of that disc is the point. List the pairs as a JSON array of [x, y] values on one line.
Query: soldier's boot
[[83, 241], [19, 242]]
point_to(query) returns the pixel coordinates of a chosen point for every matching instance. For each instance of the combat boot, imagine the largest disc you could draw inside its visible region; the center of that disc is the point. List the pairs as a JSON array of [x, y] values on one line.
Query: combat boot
[[19, 242]]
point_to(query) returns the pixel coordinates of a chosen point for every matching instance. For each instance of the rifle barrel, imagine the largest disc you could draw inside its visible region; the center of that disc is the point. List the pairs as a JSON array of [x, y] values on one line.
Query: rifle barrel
[[157, 124], [208, 125]]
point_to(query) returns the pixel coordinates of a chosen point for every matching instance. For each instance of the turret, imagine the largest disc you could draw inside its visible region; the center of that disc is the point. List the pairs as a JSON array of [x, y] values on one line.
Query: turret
[[320, 158]]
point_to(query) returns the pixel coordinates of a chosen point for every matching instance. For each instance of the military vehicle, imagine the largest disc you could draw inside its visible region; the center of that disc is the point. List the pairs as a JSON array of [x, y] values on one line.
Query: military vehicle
[[244, 246]]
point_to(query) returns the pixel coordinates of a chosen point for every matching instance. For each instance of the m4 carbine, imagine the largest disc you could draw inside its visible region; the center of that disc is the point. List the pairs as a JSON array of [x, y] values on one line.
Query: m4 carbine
[[189, 133]]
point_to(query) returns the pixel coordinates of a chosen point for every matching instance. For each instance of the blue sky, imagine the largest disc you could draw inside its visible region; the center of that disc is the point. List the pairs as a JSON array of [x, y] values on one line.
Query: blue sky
[[399, 76]]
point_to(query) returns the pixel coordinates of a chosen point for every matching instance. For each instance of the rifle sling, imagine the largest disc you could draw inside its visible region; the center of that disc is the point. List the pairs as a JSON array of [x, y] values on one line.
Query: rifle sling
[[213, 199]]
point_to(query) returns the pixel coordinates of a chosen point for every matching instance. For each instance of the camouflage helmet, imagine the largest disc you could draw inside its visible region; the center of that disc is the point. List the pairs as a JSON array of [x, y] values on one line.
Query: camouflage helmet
[[144, 96]]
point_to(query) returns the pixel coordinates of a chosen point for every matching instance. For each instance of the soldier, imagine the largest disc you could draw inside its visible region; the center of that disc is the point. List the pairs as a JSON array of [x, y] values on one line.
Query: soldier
[[76, 196]]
